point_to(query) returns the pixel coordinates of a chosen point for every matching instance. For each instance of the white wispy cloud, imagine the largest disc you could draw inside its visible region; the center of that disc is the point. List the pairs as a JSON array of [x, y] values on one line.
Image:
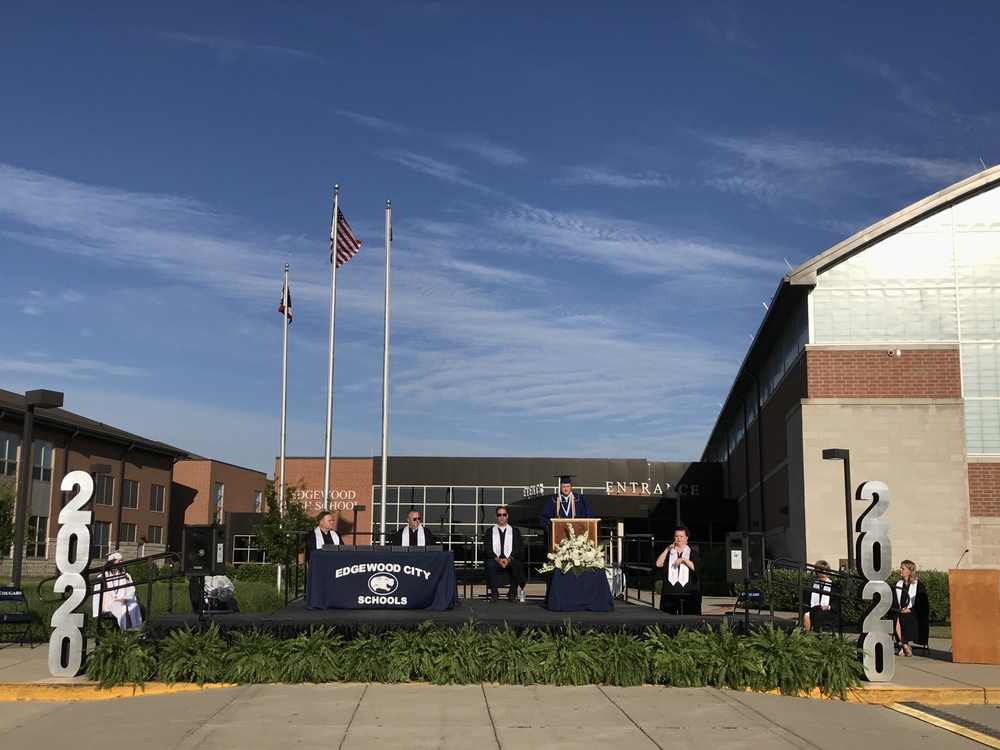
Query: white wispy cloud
[[74, 369], [376, 123], [229, 49], [607, 178], [503, 156]]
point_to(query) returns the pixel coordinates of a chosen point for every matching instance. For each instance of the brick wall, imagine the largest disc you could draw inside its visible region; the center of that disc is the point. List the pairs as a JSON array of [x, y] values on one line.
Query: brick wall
[[984, 489], [871, 373], [350, 486]]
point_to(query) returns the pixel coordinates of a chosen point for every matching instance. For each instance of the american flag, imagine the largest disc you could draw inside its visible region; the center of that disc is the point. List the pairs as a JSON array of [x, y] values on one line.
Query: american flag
[[281, 305], [347, 244]]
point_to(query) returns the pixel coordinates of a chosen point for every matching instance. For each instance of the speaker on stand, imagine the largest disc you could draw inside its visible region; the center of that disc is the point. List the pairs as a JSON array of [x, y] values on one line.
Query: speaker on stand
[[203, 553]]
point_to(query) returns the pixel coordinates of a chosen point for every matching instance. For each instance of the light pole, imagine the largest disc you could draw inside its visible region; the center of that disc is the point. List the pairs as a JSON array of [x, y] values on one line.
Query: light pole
[[40, 399], [843, 454]]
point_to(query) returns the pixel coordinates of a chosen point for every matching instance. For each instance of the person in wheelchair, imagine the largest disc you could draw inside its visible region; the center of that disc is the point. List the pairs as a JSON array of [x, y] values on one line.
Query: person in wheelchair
[[821, 613], [114, 595]]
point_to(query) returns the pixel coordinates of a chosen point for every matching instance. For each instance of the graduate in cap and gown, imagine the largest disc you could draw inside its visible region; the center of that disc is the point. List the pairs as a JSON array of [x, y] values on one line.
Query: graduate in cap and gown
[[116, 594], [564, 504]]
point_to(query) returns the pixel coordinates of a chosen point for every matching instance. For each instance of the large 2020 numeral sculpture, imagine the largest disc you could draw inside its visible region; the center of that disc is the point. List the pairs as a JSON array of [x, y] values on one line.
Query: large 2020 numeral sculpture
[[67, 644], [874, 554]]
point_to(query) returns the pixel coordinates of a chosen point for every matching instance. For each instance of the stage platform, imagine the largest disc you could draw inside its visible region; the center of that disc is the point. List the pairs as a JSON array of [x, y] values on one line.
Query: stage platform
[[483, 614]]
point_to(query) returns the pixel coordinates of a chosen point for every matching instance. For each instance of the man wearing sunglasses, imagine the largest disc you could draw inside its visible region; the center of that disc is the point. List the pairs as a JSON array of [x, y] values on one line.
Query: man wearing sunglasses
[[503, 550], [414, 534]]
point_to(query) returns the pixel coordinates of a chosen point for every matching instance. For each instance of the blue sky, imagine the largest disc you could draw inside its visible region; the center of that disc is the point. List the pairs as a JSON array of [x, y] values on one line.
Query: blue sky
[[591, 204]]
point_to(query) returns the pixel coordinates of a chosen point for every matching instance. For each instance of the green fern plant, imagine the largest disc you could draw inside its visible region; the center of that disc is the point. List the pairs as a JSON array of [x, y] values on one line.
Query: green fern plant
[[623, 658], [315, 656], [838, 665], [572, 659], [252, 658], [675, 660], [788, 658], [364, 659], [197, 656], [513, 658], [122, 657], [457, 656]]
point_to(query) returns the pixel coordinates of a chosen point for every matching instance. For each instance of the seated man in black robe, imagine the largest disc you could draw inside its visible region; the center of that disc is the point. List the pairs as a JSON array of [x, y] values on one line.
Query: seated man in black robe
[[414, 534], [322, 534], [503, 550]]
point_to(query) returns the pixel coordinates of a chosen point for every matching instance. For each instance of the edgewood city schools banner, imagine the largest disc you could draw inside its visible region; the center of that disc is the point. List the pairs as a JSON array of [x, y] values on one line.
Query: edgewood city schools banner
[[381, 580]]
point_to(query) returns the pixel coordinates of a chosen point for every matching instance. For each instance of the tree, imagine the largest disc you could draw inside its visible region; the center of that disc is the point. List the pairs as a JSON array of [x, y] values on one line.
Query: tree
[[276, 535], [7, 499]]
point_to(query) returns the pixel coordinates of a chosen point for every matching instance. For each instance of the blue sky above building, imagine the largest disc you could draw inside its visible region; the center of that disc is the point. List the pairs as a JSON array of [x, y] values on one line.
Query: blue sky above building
[[592, 203]]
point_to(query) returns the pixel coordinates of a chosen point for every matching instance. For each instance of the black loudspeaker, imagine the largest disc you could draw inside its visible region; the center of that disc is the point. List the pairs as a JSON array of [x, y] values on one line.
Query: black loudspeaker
[[203, 551], [744, 556]]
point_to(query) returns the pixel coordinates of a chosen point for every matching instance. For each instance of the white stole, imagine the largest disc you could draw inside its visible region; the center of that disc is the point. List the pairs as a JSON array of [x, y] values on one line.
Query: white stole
[[821, 594], [678, 574], [319, 537], [508, 541], [911, 593], [570, 506], [421, 541]]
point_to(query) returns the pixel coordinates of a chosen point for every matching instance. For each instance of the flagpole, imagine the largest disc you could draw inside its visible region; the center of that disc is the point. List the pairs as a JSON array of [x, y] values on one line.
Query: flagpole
[[329, 389], [285, 305], [385, 372]]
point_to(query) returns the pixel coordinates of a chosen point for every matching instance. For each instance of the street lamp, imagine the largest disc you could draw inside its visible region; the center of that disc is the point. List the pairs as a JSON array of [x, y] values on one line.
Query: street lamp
[[40, 399], [843, 454]]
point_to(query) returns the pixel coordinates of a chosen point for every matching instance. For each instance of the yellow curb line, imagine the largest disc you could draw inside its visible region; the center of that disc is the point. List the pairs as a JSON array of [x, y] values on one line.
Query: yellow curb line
[[947, 725], [41, 691], [942, 696]]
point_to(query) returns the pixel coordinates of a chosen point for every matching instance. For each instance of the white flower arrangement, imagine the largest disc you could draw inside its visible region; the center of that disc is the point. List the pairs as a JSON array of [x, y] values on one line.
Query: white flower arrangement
[[575, 553]]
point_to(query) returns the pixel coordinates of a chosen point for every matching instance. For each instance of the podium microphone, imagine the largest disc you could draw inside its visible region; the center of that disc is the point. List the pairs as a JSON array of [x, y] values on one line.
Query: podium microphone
[[961, 558]]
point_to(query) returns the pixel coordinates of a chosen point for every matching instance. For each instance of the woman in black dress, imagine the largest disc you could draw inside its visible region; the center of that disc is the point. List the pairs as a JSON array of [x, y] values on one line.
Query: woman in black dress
[[913, 606], [681, 594]]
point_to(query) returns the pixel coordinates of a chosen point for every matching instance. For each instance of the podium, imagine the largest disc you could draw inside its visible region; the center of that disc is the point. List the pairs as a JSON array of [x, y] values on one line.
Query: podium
[[975, 616], [560, 529]]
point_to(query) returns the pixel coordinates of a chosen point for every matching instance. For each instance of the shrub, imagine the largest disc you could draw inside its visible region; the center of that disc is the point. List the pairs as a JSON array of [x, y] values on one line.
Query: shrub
[[572, 658], [253, 657], [672, 660], [197, 656], [122, 657], [256, 572], [512, 658], [315, 656]]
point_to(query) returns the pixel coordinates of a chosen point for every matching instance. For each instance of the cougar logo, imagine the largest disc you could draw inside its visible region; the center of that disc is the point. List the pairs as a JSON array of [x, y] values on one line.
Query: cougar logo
[[383, 583]]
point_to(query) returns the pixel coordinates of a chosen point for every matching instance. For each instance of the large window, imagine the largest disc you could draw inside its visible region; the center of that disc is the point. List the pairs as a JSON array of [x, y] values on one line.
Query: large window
[[258, 500], [127, 533], [156, 493], [245, 549], [42, 470], [130, 494], [100, 542], [8, 454], [104, 490], [155, 535], [35, 535]]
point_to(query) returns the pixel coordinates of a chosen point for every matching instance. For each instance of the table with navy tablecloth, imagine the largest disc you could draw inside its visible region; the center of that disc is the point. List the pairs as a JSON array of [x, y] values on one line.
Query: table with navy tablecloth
[[586, 592], [346, 579]]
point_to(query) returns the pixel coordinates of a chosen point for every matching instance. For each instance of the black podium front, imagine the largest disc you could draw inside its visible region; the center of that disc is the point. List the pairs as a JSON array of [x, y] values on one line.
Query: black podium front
[[380, 579]]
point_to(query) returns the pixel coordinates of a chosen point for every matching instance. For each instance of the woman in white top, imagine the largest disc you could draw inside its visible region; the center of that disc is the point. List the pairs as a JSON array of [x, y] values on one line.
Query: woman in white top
[[913, 608]]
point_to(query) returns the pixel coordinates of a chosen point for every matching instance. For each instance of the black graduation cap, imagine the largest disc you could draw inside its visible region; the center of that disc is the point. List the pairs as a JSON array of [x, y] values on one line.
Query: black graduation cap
[[565, 478]]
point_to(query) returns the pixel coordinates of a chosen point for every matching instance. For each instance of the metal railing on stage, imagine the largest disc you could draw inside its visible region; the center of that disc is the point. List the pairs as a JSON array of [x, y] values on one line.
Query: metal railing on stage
[[158, 567], [843, 589], [637, 563]]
